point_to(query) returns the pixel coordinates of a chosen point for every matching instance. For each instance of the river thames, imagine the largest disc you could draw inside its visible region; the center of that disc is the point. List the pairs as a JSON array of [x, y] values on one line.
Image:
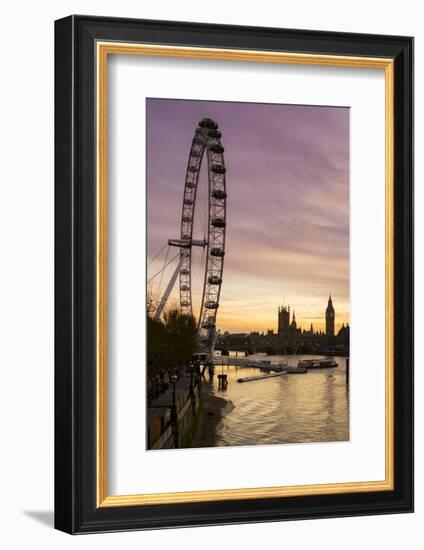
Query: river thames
[[293, 408]]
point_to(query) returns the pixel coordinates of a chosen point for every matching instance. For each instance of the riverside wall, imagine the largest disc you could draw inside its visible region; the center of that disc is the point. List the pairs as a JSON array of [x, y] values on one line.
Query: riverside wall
[[187, 412]]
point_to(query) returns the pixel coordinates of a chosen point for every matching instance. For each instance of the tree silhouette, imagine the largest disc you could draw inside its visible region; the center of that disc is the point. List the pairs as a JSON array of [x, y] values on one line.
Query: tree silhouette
[[171, 343]]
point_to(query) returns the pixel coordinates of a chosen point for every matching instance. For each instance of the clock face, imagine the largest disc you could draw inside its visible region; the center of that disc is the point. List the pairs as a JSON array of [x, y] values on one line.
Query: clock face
[[331, 315]]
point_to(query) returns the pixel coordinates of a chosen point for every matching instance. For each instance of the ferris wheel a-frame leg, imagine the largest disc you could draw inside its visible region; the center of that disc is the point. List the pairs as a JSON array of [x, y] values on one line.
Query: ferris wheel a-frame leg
[[170, 286]]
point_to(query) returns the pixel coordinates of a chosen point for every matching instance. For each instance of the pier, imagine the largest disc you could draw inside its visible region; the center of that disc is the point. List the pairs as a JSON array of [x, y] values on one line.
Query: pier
[[263, 377], [244, 362]]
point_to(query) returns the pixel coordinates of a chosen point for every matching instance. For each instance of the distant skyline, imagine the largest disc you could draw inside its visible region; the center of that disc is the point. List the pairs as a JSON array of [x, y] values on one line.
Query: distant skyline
[[287, 207]]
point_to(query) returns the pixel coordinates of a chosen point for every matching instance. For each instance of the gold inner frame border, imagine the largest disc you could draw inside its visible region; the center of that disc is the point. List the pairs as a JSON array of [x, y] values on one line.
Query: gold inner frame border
[[103, 50]]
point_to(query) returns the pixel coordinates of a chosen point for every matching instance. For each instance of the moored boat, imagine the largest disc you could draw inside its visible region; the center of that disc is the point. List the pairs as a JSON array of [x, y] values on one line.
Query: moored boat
[[296, 370], [318, 363]]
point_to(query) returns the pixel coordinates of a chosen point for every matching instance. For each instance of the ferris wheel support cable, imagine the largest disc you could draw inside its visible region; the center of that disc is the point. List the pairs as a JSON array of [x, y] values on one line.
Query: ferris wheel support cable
[[156, 255], [159, 292], [160, 270]]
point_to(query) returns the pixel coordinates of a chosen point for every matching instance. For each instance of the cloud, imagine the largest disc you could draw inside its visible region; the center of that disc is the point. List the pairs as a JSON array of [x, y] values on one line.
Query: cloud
[[288, 200]]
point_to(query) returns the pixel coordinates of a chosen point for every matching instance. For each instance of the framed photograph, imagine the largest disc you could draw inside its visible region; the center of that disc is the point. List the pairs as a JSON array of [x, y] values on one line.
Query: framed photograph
[[233, 265]]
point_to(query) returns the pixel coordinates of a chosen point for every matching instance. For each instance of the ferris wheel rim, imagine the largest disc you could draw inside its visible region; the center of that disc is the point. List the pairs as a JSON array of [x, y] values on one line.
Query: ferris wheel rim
[[206, 141]]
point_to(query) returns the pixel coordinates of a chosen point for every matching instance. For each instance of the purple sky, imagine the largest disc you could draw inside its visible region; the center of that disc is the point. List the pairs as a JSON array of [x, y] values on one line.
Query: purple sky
[[287, 209]]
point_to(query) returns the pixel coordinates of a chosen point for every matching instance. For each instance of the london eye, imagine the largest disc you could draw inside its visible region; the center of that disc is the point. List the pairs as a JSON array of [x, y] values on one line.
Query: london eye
[[201, 243]]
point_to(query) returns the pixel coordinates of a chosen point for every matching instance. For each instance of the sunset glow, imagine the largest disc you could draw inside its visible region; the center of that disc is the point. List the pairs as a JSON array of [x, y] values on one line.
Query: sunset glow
[[287, 209]]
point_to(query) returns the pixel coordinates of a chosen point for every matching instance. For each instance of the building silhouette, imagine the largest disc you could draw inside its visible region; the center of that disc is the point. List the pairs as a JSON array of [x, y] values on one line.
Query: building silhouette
[[343, 336], [329, 318], [287, 324], [287, 327], [291, 337], [293, 325], [283, 319]]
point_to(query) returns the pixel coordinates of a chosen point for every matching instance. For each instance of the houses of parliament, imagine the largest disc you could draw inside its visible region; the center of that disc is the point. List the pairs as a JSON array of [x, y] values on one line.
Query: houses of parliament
[[287, 327], [289, 338]]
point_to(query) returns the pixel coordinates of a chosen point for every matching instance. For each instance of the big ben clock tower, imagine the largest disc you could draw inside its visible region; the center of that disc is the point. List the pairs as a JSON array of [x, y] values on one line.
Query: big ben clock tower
[[329, 318]]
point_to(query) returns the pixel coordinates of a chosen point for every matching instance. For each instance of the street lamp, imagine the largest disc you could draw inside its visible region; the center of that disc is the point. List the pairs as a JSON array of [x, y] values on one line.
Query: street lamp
[[191, 393], [174, 379], [174, 416]]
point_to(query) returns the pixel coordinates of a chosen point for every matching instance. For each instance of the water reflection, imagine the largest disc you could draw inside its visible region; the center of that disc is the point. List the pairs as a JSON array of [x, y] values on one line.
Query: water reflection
[[294, 408]]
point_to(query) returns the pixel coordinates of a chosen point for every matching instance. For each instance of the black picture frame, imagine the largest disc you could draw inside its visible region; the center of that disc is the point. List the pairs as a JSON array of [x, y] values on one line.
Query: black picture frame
[[76, 510]]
